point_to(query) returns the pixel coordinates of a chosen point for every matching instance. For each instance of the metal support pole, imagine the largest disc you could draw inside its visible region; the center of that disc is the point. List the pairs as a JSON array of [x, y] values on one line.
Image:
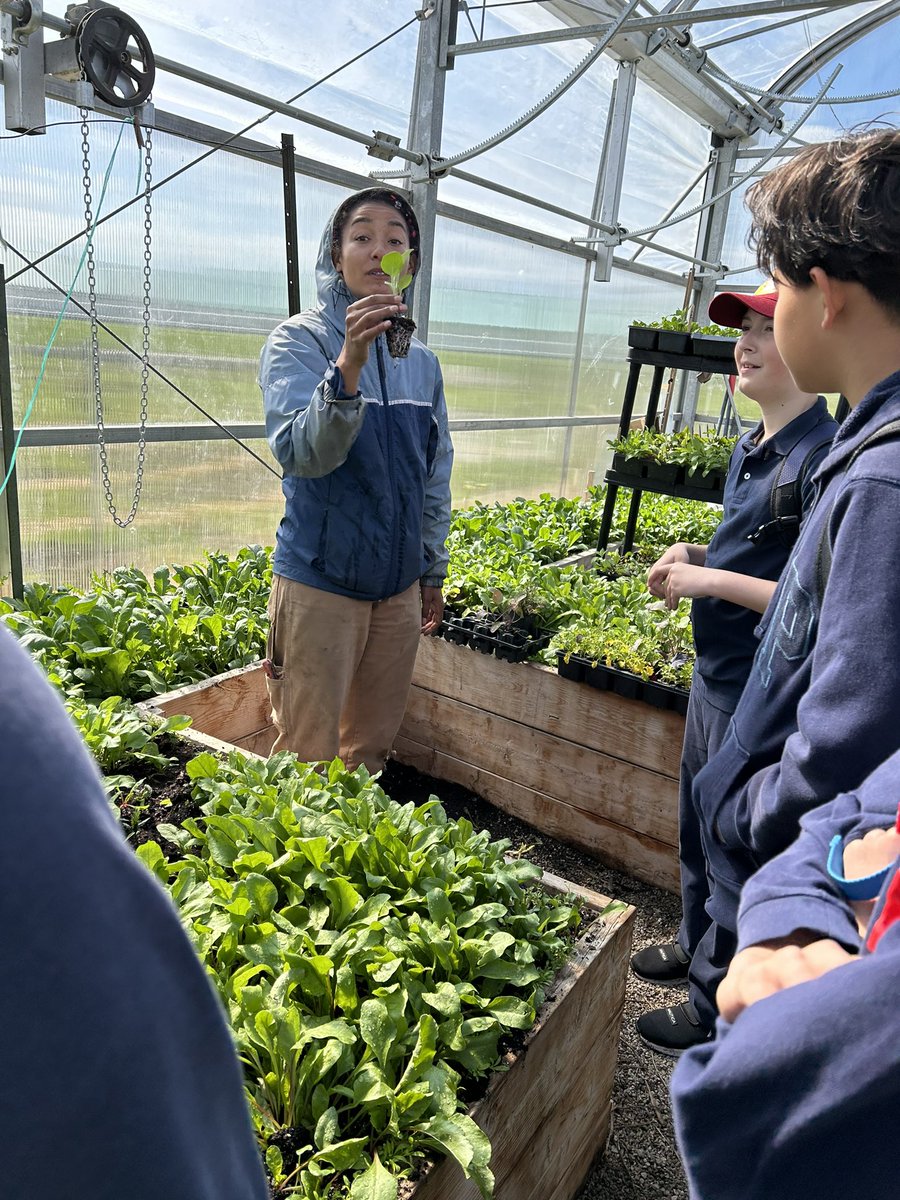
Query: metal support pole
[[424, 137], [291, 250], [612, 489], [11, 559], [710, 240], [576, 373], [608, 192]]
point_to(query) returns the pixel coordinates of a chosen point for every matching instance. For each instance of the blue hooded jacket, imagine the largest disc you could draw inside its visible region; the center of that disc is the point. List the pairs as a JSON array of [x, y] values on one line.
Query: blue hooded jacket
[[366, 479]]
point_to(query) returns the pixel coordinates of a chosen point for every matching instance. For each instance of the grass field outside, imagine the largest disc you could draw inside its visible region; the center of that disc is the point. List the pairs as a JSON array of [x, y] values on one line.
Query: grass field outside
[[211, 495]]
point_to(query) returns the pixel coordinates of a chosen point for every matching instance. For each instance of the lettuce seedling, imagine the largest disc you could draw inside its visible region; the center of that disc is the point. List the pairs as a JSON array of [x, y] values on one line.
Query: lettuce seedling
[[394, 265]]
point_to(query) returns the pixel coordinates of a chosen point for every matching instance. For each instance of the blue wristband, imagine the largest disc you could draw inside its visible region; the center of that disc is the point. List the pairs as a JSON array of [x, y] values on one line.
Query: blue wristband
[[865, 888]]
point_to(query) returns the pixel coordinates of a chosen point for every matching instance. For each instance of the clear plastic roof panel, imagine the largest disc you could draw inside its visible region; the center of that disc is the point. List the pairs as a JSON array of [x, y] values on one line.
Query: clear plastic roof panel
[[521, 325]]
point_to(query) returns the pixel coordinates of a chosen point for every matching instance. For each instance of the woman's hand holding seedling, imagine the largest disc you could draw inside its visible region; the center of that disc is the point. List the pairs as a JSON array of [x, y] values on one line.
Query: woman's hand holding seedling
[[371, 316]]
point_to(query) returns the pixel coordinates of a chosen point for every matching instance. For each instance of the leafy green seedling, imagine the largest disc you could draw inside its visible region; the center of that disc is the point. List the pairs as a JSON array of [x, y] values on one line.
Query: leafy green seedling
[[394, 265]]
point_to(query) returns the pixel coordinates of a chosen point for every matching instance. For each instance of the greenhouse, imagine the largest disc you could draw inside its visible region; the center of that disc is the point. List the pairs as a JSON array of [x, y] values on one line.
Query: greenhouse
[[471, 815]]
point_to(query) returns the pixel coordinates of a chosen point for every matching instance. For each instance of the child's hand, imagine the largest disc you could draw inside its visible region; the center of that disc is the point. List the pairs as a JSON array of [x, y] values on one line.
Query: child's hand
[[656, 576], [686, 581], [873, 852], [761, 971], [864, 856]]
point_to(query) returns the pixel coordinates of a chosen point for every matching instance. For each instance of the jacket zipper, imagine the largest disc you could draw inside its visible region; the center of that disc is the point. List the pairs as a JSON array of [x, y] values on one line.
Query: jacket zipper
[[389, 442]]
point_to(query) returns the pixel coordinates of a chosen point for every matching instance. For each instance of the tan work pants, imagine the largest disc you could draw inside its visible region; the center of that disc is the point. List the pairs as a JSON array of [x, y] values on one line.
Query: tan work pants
[[343, 669]]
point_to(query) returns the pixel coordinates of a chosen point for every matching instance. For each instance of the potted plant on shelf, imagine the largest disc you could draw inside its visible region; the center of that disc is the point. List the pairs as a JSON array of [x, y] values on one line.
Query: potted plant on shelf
[[675, 333], [645, 453], [714, 341], [704, 457], [669, 335], [399, 334]]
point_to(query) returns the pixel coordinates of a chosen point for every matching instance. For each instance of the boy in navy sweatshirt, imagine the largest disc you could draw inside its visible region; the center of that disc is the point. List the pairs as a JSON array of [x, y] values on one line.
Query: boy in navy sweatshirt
[[804, 1072], [821, 708], [731, 581]]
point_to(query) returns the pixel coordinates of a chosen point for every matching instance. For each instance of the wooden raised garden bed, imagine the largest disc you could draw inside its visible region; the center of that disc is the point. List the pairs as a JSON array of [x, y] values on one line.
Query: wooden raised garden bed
[[548, 1115], [588, 767]]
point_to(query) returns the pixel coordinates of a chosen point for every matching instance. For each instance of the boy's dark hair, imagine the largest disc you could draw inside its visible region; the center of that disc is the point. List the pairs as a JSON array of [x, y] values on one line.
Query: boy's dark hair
[[836, 206]]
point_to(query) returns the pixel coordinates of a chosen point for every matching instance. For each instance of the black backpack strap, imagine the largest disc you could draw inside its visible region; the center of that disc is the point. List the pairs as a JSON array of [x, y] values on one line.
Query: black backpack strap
[[786, 496], [823, 551]]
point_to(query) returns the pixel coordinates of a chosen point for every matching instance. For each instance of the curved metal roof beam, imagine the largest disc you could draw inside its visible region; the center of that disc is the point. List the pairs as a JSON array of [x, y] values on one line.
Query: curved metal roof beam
[[813, 60]]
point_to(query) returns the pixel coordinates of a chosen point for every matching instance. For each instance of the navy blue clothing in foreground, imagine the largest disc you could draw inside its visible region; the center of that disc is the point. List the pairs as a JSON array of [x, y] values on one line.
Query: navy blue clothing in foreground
[[724, 633], [118, 1079], [805, 1085], [821, 708]]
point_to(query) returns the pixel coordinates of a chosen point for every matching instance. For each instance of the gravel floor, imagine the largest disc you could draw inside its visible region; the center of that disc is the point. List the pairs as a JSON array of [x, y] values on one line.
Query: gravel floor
[[640, 1162]]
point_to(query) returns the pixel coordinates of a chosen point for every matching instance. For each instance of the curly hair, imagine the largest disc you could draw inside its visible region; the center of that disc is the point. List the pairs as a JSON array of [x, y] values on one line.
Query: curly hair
[[835, 205]]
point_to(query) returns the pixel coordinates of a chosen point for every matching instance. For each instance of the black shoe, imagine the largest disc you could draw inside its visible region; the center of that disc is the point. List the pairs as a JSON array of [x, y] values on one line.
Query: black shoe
[[662, 964], [671, 1031]]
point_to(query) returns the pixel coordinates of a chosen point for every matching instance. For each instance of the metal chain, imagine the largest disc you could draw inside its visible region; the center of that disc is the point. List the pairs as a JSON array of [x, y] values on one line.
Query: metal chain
[[95, 341]]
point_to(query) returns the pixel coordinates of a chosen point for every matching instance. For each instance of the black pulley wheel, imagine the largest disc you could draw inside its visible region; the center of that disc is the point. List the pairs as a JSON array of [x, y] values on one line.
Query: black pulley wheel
[[115, 56]]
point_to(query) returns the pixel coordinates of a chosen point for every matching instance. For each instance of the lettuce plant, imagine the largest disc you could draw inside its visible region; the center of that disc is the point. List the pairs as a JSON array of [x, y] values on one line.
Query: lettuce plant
[[394, 266], [370, 956]]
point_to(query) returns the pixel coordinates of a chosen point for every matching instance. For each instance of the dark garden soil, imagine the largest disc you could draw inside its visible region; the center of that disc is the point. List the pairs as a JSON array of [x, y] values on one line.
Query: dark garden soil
[[640, 1162], [170, 801]]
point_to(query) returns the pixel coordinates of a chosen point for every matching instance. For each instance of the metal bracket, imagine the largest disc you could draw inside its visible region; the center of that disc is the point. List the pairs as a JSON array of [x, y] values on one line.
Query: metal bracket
[[22, 44], [384, 145]]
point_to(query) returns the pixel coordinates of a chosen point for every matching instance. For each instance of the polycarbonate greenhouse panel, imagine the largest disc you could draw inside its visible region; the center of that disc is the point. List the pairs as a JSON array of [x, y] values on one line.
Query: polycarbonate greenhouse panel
[[196, 496]]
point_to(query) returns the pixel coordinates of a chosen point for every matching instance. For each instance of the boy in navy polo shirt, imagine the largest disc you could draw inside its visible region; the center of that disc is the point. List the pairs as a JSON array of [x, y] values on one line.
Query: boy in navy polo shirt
[[797, 1074], [731, 581], [821, 708]]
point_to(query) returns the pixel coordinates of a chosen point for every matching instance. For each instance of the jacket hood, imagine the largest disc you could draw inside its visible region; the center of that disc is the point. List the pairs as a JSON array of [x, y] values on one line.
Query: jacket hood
[[332, 293], [884, 400]]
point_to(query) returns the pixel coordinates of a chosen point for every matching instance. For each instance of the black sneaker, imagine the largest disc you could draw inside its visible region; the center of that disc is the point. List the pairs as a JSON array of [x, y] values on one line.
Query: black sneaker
[[662, 964], [671, 1031]]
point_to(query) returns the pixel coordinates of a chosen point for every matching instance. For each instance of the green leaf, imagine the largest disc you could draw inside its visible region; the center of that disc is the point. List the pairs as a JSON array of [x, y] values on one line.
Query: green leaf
[[275, 1163], [511, 1012], [439, 907], [377, 1029], [444, 999], [327, 1129], [340, 1156], [461, 1138], [344, 899], [204, 766], [375, 1183], [152, 857]]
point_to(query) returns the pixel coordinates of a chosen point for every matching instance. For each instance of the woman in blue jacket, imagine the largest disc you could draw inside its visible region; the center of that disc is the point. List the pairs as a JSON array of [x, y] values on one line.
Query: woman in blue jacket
[[363, 440]]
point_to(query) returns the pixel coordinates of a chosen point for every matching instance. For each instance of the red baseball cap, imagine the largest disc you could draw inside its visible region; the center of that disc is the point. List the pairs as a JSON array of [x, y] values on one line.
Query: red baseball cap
[[728, 308]]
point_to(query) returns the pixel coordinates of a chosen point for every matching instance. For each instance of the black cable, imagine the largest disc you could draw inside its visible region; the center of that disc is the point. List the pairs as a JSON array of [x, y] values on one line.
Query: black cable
[[5, 137], [131, 350], [221, 146]]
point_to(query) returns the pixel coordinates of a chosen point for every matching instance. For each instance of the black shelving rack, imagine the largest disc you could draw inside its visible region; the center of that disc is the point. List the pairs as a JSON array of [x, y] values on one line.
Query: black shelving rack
[[659, 360]]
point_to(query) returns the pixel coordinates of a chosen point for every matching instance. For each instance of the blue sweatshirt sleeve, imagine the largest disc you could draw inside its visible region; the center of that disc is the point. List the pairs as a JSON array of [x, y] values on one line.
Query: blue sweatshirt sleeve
[[794, 890], [436, 516], [798, 1097], [119, 1076], [310, 424], [849, 717]]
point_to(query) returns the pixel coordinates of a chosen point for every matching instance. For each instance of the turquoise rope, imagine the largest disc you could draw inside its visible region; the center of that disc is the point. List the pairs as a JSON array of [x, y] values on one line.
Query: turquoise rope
[[65, 304]]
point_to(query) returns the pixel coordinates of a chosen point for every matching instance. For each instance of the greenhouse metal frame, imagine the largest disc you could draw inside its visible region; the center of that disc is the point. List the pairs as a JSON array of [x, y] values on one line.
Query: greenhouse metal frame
[[666, 50]]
